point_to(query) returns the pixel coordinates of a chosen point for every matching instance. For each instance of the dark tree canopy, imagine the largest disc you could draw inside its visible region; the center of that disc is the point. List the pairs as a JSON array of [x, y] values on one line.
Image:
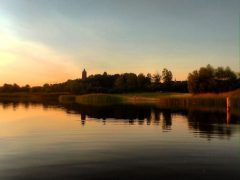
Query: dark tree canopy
[[156, 78], [167, 76], [107, 83], [209, 79], [206, 79]]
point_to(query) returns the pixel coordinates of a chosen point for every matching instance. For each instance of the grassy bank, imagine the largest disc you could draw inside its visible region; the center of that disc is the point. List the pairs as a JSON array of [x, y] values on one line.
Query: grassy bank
[[165, 100], [93, 99], [108, 99], [34, 97]]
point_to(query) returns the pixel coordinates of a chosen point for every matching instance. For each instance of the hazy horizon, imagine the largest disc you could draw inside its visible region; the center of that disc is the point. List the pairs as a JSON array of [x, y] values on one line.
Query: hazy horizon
[[52, 41]]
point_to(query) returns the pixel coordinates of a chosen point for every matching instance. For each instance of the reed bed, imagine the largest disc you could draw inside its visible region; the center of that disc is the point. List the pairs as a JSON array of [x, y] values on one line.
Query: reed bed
[[99, 99], [67, 99], [29, 96]]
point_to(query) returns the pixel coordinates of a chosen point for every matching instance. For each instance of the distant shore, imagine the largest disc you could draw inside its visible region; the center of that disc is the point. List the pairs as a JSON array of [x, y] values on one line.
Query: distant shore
[[166, 100], [35, 97]]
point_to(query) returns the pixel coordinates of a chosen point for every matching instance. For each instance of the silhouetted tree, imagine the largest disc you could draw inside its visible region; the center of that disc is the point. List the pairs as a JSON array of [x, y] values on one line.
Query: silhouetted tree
[[102, 83], [208, 79], [26, 88], [141, 79], [156, 78], [167, 76], [193, 82]]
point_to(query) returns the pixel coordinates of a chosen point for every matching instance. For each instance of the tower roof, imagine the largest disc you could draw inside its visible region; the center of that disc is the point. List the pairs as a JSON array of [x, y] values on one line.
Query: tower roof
[[84, 74]]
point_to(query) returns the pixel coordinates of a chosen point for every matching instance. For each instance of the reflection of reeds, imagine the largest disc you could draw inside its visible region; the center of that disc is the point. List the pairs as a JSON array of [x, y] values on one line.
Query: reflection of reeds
[[235, 102], [190, 102]]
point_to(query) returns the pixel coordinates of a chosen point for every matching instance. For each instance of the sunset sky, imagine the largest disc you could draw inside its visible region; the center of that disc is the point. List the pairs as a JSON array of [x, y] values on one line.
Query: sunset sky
[[53, 40]]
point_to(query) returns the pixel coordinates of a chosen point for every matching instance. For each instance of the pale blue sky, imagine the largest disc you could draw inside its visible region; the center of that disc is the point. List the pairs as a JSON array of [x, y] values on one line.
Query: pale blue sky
[[56, 39]]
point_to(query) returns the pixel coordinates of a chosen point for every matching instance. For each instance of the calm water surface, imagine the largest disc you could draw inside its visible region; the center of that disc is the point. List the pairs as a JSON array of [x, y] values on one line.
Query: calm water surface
[[39, 141]]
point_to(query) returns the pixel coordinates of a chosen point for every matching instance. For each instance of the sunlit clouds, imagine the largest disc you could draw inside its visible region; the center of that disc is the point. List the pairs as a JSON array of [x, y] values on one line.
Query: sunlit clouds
[[51, 41], [33, 63]]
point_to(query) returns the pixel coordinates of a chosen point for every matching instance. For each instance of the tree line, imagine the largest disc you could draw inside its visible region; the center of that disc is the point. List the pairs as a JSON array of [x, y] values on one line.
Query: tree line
[[206, 79], [107, 83], [209, 79]]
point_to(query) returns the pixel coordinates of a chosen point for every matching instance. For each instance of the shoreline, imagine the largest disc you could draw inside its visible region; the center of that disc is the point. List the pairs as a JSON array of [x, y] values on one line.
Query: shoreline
[[176, 100]]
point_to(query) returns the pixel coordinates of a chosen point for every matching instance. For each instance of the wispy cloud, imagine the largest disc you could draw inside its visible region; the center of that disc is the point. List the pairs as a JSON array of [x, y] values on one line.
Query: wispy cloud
[[53, 40], [34, 63]]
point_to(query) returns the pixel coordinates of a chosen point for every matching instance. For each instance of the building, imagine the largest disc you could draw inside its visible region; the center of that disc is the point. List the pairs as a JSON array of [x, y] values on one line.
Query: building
[[84, 74]]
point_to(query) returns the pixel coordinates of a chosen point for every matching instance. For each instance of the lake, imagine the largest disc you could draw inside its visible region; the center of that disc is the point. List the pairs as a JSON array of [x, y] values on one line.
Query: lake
[[54, 141]]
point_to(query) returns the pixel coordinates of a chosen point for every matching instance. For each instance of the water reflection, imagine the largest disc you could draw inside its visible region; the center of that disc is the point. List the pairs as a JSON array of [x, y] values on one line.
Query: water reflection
[[209, 124], [132, 114], [69, 141], [206, 124]]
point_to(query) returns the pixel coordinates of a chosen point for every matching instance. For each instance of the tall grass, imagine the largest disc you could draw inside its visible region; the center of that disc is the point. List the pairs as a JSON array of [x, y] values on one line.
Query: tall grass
[[29, 97], [67, 99], [235, 102], [166, 100], [99, 99]]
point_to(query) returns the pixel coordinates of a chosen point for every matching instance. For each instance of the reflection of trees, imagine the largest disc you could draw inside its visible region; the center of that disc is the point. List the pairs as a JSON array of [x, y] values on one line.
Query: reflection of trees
[[26, 104], [83, 118], [6, 105], [156, 114], [127, 112], [167, 119], [210, 124], [202, 123]]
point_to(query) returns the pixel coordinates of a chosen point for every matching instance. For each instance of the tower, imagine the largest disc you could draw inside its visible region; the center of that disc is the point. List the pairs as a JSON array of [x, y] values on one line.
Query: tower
[[84, 74]]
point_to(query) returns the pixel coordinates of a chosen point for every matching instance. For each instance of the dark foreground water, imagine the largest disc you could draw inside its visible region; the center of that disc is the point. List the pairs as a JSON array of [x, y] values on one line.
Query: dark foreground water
[[121, 142]]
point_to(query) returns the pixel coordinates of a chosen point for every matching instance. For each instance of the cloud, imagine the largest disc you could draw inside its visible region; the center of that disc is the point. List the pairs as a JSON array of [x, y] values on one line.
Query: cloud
[[51, 41], [34, 63]]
